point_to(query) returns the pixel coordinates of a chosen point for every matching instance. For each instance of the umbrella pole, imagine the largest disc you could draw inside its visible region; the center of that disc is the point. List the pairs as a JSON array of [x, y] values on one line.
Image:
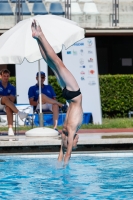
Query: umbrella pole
[[40, 97]]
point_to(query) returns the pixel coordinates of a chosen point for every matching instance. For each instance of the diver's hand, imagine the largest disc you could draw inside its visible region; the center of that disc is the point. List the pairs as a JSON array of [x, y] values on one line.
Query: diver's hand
[[36, 29], [61, 153], [66, 160]]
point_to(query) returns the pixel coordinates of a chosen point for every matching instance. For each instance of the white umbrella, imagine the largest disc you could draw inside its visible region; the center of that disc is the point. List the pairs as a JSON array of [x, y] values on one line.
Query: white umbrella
[[17, 43]]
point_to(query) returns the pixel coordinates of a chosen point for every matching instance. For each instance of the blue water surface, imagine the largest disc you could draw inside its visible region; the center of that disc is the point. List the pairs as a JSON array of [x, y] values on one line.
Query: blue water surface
[[86, 178]]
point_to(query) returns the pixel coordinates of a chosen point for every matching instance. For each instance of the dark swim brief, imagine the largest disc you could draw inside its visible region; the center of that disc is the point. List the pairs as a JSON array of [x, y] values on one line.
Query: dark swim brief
[[68, 95]]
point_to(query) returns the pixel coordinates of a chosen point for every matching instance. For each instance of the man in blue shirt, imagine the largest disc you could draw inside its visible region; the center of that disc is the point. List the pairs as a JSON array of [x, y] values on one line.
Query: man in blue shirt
[[49, 101], [7, 99]]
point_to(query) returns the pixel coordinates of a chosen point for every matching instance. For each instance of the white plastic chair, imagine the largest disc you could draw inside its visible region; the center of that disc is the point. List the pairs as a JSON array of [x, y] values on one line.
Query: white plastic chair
[[51, 1], [85, 1], [75, 9], [90, 8], [71, 0]]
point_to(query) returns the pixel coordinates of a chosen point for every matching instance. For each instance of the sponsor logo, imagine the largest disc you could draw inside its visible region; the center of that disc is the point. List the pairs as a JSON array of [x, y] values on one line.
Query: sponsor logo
[[90, 60], [83, 66], [81, 61], [79, 44], [37, 91], [74, 52], [91, 71], [1, 89], [89, 43], [90, 77], [82, 78], [81, 52], [8, 91], [90, 52], [68, 52], [82, 72], [90, 66], [92, 83]]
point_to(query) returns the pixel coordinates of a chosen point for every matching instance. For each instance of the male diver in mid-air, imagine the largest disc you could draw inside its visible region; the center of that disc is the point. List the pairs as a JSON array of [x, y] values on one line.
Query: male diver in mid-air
[[70, 91]]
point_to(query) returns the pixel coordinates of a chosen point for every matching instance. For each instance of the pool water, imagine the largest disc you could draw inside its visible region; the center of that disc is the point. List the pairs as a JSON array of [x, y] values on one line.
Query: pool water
[[86, 178]]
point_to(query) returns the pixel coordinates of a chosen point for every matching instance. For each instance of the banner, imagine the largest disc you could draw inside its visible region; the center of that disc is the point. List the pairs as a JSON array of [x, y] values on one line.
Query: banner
[[81, 60], [26, 77]]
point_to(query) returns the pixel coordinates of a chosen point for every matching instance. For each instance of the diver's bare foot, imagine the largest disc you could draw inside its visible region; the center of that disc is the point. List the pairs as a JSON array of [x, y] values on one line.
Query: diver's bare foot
[[36, 29]]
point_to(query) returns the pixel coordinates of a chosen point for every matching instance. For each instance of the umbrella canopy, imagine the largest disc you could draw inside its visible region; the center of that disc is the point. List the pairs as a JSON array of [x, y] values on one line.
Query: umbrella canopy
[[17, 43]]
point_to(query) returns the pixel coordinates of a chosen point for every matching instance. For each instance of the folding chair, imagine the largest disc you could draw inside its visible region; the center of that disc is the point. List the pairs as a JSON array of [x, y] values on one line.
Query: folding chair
[[45, 112], [28, 109]]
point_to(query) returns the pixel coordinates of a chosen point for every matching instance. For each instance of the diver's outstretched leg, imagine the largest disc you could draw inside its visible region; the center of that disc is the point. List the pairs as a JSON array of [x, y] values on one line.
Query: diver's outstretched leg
[[64, 76]]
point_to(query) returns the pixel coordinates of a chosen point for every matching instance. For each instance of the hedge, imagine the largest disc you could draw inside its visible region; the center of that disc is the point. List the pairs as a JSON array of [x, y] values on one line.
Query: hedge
[[53, 81], [13, 80], [116, 94]]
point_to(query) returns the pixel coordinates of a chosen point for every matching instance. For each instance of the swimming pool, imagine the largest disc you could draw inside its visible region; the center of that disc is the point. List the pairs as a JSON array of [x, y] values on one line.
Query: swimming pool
[[86, 178]]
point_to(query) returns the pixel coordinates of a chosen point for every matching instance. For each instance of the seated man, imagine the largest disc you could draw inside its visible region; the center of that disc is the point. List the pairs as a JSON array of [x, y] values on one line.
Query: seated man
[[7, 98], [48, 98]]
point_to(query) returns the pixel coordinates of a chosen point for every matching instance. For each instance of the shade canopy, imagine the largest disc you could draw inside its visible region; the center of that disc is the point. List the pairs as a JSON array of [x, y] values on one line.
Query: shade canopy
[[17, 43]]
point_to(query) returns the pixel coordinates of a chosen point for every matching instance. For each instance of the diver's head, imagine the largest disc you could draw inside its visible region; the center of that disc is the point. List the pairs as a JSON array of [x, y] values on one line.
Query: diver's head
[[65, 141]]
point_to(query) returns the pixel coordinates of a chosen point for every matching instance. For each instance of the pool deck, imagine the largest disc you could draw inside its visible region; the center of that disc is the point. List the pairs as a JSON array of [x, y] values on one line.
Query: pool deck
[[86, 137]]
